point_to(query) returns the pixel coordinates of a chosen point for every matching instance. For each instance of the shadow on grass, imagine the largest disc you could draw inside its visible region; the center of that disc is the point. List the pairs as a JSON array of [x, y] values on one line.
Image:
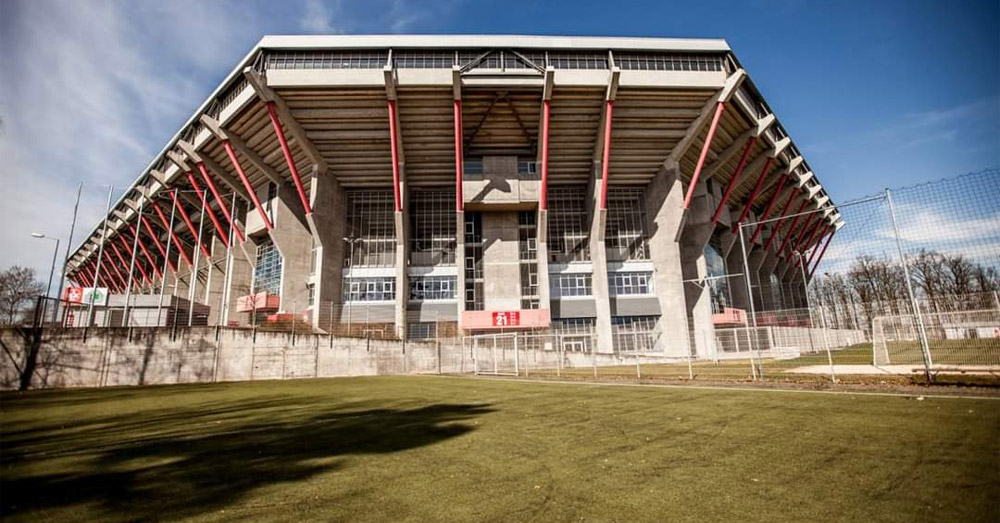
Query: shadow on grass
[[180, 462]]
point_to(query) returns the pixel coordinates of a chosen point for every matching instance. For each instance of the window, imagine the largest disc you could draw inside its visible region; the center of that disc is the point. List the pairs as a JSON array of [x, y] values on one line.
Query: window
[[569, 232], [312, 294], [528, 170], [634, 333], [370, 231], [571, 60], [473, 265], [569, 285], [631, 283], [472, 167], [267, 268], [577, 334], [421, 330], [272, 194], [313, 257], [432, 227], [668, 62], [326, 59], [424, 59], [527, 252], [369, 289], [718, 284], [626, 237], [433, 287]]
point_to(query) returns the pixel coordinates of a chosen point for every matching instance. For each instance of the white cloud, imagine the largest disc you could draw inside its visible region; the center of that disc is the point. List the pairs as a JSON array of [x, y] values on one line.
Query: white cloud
[[91, 91], [318, 17]]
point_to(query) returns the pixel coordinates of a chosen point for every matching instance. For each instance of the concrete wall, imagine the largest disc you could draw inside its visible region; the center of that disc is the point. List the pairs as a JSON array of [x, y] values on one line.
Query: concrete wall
[[107, 357], [501, 267]]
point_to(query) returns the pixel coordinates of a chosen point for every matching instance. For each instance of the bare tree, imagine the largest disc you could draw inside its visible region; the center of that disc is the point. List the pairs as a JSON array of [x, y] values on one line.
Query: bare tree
[[17, 288]]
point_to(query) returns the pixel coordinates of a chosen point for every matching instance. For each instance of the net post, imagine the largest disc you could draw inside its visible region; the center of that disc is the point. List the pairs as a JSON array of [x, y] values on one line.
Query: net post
[[921, 333]]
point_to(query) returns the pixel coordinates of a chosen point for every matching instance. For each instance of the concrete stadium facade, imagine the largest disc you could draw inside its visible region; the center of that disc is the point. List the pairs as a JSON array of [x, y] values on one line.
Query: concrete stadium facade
[[493, 182]]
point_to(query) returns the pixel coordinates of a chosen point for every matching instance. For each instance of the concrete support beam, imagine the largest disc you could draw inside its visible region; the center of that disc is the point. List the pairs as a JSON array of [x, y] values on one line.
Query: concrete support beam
[[599, 262], [327, 226], [664, 198], [698, 230], [259, 84], [218, 170]]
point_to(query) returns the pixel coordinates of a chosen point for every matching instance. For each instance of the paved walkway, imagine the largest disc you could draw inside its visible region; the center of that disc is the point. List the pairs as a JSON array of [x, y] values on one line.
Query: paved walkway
[[895, 370]]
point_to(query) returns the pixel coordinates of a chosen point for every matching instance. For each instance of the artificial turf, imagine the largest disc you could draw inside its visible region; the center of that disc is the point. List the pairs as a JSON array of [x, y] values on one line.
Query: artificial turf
[[464, 449]]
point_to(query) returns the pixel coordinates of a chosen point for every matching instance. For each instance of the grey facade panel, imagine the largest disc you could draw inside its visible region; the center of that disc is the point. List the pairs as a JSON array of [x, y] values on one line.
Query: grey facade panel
[[635, 306], [573, 308], [423, 311], [374, 313]]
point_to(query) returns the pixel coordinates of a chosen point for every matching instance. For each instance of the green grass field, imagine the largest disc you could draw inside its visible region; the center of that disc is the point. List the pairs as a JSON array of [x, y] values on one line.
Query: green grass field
[[465, 449], [945, 353]]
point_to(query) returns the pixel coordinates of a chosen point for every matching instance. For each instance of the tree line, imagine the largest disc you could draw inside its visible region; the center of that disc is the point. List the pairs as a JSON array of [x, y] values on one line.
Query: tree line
[[875, 287], [19, 290]]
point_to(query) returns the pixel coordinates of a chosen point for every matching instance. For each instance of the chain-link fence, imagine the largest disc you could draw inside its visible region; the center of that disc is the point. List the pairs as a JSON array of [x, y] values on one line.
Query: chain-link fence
[[905, 284]]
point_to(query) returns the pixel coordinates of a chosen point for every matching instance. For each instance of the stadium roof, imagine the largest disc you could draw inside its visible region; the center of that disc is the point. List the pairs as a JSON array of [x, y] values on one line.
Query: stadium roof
[[334, 90]]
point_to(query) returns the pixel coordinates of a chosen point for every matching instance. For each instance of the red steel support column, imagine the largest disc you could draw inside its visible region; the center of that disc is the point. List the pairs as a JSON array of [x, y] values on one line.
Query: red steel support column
[[173, 235], [276, 123], [145, 252], [121, 259], [191, 229], [246, 183], [85, 274], [791, 229], [825, 230], [719, 107], [218, 199], [777, 225], [769, 208], [208, 209], [606, 153], [806, 228], [543, 200], [394, 146], [822, 252], [819, 227], [159, 245], [459, 159], [142, 271], [735, 179], [753, 195]]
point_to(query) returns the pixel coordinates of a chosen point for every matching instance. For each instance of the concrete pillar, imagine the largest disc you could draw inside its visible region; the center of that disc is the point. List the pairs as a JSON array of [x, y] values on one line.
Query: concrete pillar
[[768, 289], [664, 200], [460, 264], [542, 247], [240, 277], [599, 263], [216, 282], [327, 226], [402, 277], [501, 267], [293, 239], [698, 230]]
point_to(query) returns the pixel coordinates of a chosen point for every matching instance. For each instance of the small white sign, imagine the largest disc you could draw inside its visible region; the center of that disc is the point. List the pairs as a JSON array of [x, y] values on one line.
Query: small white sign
[[95, 295]]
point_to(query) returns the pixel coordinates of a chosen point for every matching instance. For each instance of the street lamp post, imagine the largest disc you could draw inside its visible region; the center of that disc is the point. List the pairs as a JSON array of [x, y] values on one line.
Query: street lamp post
[[52, 270]]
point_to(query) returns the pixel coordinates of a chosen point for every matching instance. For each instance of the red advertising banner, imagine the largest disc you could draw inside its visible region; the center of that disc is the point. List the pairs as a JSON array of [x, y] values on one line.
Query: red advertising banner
[[73, 294], [506, 318]]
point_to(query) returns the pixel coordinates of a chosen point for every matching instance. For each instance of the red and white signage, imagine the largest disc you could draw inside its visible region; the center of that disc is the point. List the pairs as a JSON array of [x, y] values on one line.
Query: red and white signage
[[506, 318], [73, 294]]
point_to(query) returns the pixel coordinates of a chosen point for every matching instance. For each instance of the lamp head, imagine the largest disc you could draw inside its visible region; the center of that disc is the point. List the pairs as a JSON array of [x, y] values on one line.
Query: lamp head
[[37, 235]]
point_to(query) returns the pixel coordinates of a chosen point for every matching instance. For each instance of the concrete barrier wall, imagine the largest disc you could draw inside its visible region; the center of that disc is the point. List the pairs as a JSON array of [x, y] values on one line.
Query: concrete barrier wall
[[147, 356]]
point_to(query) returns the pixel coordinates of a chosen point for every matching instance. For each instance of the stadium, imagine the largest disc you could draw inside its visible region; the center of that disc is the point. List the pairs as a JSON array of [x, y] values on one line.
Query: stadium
[[494, 182]]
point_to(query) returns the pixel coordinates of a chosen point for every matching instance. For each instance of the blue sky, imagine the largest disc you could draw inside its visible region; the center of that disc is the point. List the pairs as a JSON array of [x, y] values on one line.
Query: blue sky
[[875, 94]]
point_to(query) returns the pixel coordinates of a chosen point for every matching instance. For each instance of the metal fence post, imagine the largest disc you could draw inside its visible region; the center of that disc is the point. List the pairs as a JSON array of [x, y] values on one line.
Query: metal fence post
[[921, 333], [517, 370], [753, 311]]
